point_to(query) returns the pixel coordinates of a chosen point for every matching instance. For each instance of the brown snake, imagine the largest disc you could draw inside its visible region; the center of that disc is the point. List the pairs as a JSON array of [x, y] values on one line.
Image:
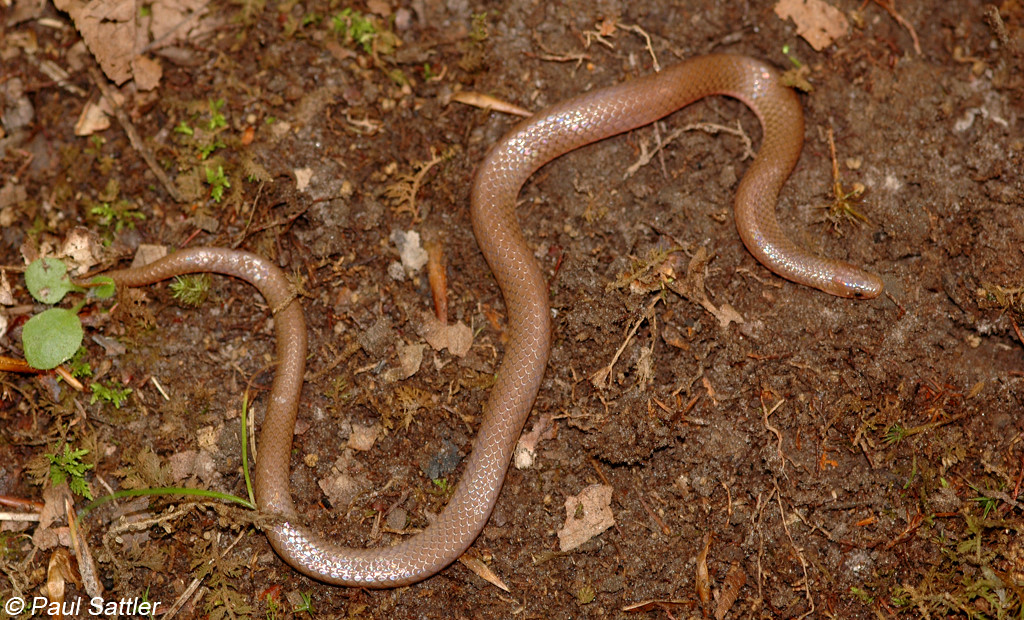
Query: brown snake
[[527, 147]]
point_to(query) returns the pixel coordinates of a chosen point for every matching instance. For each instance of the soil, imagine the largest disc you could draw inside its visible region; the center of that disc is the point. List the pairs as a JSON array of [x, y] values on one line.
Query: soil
[[823, 458]]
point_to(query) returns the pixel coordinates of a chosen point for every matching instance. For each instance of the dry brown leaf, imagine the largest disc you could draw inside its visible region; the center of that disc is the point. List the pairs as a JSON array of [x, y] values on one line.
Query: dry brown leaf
[[148, 253], [147, 72], [456, 337], [58, 571], [363, 437], [482, 571], [526, 448], [86, 564], [816, 21], [586, 515], [487, 102], [109, 30], [730, 590], [92, 119], [6, 294], [410, 357], [702, 581], [50, 532]]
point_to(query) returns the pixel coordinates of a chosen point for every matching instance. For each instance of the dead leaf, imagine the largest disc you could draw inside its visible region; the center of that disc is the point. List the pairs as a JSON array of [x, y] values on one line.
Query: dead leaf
[[58, 570], [487, 102], [49, 533], [378, 7], [410, 249], [341, 487], [147, 72], [702, 581], [302, 178], [363, 437], [6, 295], [108, 29], [86, 563], [456, 337], [189, 464], [92, 119], [586, 515], [84, 247], [410, 357], [818, 22], [148, 253], [526, 448], [482, 571], [730, 591]]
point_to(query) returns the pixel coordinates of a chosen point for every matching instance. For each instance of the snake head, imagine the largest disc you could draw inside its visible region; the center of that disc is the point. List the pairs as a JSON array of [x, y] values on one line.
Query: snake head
[[855, 283]]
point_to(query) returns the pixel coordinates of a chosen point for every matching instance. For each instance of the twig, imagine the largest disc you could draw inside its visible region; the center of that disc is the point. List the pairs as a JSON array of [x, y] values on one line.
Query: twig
[[133, 135], [650, 49], [799, 554], [890, 7], [765, 413], [602, 378], [710, 128], [19, 516]]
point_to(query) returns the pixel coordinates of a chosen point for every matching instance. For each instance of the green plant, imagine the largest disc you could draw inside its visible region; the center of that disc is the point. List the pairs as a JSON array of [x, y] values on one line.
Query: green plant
[[218, 182], [116, 393], [217, 119], [478, 32], [988, 504], [273, 607], [118, 215], [307, 604], [79, 366], [52, 337], [895, 434], [202, 134], [69, 466], [355, 27], [191, 290]]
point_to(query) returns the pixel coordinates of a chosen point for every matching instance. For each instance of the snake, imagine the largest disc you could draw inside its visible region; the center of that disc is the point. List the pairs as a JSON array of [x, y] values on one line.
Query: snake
[[558, 129]]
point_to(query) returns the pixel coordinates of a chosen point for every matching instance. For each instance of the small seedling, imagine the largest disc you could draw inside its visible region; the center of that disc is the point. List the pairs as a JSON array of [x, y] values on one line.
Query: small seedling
[[988, 504], [895, 434], [355, 27], [479, 32], [69, 466], [792, 57], [51, 337], [272, 607], [218, 182], [307, 604], [217, 119], [118, 215], [116, 393]]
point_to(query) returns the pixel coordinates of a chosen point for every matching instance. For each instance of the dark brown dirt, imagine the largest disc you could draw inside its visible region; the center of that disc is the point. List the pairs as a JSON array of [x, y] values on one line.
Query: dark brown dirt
[[886, 482]]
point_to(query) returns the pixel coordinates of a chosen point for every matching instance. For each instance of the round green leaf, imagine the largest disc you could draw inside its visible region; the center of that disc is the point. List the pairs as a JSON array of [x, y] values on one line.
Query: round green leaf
[[51, 338], [47, 280], [103, 287]]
